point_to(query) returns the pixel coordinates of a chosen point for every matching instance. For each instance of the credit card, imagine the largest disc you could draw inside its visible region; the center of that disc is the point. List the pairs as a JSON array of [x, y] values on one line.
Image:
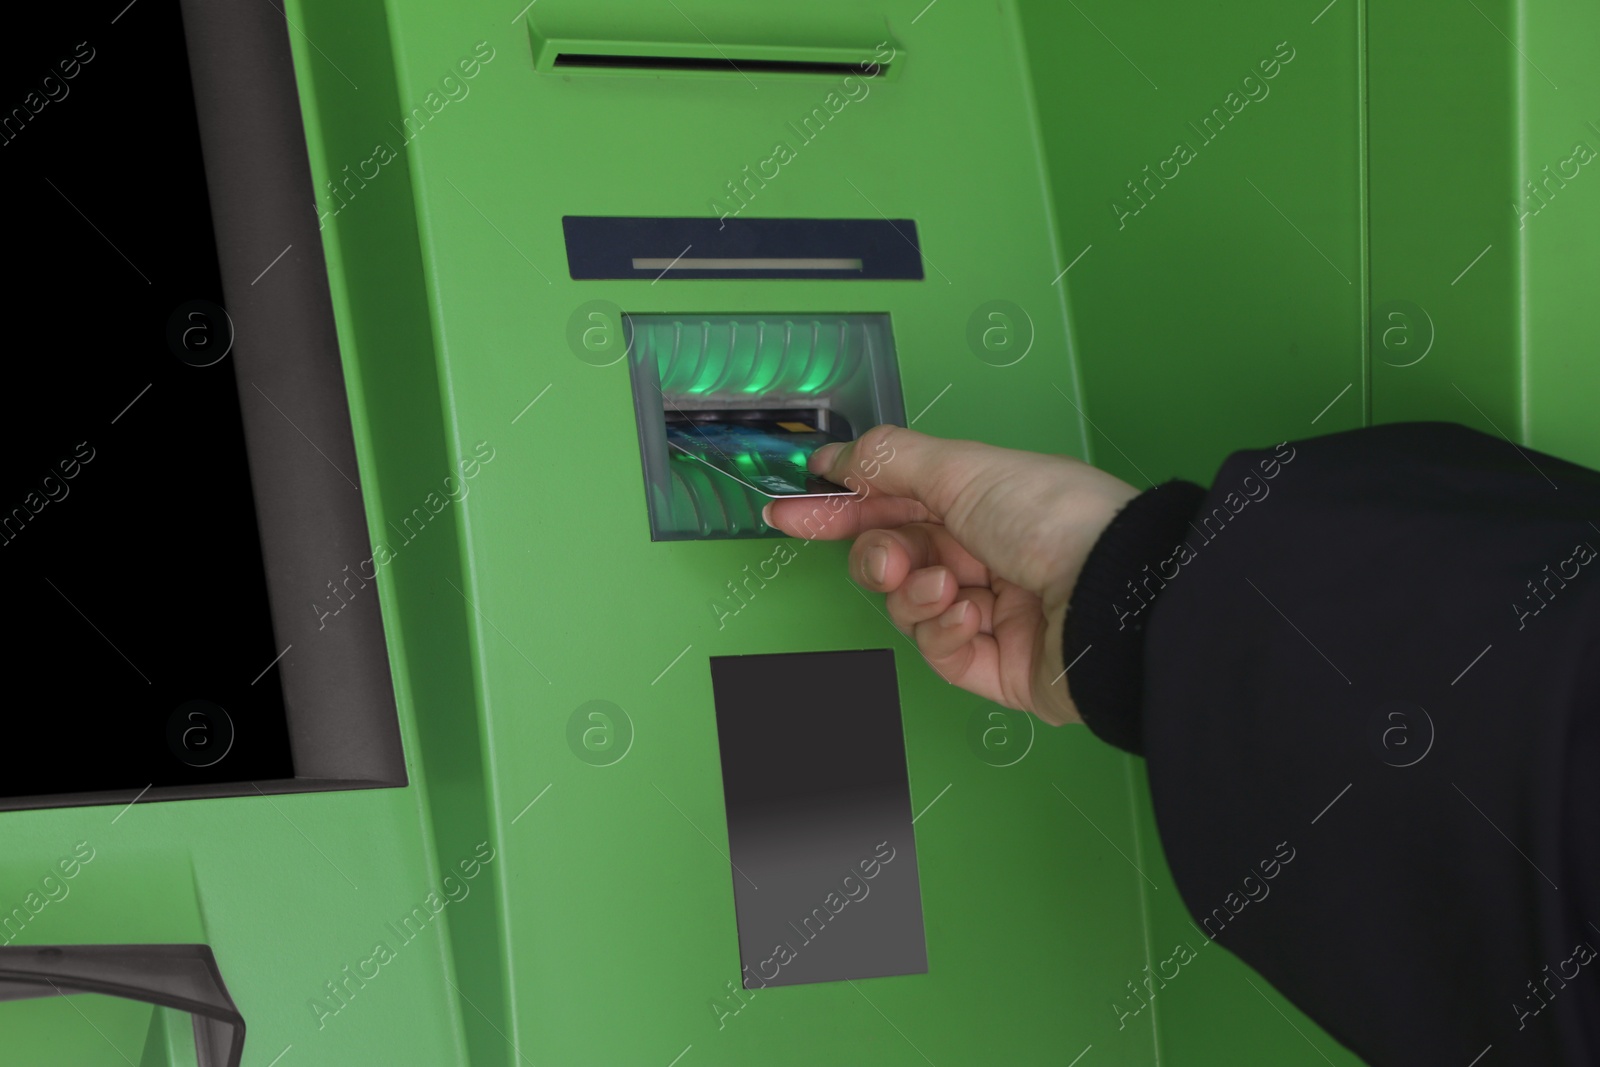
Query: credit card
[[767, 456]]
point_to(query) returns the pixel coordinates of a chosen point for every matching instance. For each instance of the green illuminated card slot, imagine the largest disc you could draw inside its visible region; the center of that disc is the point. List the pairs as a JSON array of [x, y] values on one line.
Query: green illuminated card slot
[[745, 399]]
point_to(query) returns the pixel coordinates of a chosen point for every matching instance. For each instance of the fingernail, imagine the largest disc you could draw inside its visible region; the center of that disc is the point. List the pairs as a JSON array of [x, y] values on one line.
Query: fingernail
[[954, 617], [766, 515], [877, 565], [926, 588]]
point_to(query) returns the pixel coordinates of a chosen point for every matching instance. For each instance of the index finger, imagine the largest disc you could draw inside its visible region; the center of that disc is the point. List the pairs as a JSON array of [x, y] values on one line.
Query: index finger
[[840, 517]]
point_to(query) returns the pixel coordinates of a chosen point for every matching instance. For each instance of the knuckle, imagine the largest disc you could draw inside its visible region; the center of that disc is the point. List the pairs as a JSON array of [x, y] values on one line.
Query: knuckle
[[879, 441]]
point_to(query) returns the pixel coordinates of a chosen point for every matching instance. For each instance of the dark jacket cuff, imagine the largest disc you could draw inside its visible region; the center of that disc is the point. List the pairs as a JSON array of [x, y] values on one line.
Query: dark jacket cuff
[[1103, 643]]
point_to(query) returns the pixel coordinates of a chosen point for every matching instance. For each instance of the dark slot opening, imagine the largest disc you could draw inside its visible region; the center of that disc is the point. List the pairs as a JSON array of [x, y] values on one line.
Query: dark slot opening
[[717, 64], [694, 249], [822, 418]]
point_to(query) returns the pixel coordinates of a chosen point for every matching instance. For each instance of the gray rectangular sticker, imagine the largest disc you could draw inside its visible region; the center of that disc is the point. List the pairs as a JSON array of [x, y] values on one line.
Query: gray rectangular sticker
[[819, 817]]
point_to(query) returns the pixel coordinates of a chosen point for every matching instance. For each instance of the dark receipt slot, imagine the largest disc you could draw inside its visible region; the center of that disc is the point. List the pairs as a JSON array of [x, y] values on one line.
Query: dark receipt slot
[[819, 817], [605, 246]]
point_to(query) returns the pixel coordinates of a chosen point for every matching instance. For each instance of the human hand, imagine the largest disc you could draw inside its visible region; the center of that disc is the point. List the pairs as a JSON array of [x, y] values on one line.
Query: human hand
[[976, 547]]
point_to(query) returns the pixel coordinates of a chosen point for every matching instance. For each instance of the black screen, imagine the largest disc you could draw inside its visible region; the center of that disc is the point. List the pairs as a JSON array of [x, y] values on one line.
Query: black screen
[[819, 817], [139, 643]]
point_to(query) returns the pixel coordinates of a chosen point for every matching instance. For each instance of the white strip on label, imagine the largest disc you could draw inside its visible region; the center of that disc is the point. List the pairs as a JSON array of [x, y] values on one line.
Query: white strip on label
[[644, 263]]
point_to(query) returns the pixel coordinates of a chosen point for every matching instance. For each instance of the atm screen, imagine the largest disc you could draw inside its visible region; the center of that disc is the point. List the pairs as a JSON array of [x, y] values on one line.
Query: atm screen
[[130, 561]]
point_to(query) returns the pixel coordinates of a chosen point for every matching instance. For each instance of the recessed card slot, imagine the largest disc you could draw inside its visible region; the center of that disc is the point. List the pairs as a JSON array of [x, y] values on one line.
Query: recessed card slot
[[715, 64]]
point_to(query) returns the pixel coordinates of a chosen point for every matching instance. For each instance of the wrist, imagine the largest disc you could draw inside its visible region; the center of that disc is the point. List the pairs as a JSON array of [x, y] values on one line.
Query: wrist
[[1086, 519], [1052, 697]]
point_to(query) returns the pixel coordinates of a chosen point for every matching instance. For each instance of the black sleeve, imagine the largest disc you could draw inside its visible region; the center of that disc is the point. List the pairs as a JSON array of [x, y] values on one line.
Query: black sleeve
[[1368, 697]]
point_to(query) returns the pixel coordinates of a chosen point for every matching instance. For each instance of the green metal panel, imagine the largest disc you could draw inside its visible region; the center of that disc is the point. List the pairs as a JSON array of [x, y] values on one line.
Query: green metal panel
[[1445, 266], [1561, 338], [1218, 304], [1485, 219]]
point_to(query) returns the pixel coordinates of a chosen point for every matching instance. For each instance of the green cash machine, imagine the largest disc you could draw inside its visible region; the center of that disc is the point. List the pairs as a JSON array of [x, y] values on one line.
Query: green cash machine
[[565, 758]]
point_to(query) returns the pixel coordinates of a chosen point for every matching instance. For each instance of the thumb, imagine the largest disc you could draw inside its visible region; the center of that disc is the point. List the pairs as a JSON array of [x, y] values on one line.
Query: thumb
[[894, 461]]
